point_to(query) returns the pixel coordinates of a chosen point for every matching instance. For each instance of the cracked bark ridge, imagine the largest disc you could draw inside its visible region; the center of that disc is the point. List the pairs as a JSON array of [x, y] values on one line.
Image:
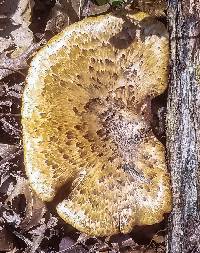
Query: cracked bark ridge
[[183, 139]]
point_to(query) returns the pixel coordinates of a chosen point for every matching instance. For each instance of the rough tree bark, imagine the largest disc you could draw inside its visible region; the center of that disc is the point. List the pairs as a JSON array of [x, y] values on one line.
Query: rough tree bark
[[183, 125]]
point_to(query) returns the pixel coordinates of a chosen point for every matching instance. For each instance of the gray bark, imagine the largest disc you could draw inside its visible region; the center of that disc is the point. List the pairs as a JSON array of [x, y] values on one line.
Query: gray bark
[[183, 125]]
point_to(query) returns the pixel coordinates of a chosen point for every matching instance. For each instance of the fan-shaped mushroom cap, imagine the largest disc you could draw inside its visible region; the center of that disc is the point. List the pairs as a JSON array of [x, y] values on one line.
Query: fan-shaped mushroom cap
[[86, 121]]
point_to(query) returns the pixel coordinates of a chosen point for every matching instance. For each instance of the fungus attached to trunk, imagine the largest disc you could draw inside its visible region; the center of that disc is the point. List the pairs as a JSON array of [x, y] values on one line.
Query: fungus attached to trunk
[[86, 123]]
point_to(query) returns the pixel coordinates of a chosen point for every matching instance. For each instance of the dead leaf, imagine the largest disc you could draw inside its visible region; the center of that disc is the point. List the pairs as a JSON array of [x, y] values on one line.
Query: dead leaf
[[22, 37], [6, 240]]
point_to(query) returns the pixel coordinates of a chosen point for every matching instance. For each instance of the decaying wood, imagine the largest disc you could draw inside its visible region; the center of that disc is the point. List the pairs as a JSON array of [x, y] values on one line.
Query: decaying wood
[[183, 125]]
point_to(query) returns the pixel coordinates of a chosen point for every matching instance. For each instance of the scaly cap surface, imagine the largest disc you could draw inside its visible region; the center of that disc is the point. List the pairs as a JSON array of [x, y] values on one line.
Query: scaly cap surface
[[86, 122]]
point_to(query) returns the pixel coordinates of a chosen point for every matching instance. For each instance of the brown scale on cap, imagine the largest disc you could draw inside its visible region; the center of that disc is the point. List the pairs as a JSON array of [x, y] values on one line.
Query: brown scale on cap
[[86, 121]]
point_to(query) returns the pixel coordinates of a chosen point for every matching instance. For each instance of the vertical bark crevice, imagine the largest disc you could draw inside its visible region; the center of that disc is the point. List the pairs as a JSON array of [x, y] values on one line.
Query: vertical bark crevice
[[183, 125]]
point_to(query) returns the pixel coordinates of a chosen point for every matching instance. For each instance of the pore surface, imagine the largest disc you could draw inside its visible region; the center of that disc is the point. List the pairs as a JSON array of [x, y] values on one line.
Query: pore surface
[[86, 121]]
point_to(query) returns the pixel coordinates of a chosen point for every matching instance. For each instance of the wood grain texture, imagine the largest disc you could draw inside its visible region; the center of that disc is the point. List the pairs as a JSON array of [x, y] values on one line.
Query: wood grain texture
[[183, 124]]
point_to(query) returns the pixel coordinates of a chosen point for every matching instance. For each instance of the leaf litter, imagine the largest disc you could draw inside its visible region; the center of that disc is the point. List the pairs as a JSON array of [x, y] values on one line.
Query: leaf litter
[[26, 223]]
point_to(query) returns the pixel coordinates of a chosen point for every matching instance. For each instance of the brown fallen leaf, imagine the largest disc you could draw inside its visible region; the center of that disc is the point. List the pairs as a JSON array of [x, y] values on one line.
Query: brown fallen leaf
[[6, 240], [12, 65]]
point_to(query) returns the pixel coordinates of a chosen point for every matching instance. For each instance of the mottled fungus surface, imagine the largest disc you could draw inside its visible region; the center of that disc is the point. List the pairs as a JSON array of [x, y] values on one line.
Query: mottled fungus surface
[[86, 123]]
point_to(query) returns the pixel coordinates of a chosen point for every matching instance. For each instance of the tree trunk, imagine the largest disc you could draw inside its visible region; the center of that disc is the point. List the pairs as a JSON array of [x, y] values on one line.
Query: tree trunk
[[183, 125]]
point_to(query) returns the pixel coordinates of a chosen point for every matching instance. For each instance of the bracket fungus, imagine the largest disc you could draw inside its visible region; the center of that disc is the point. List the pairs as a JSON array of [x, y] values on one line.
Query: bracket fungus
[[87, 123]]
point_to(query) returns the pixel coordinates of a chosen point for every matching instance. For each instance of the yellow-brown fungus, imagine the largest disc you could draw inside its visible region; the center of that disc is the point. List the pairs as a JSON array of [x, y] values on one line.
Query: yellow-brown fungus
[[86, 123]]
